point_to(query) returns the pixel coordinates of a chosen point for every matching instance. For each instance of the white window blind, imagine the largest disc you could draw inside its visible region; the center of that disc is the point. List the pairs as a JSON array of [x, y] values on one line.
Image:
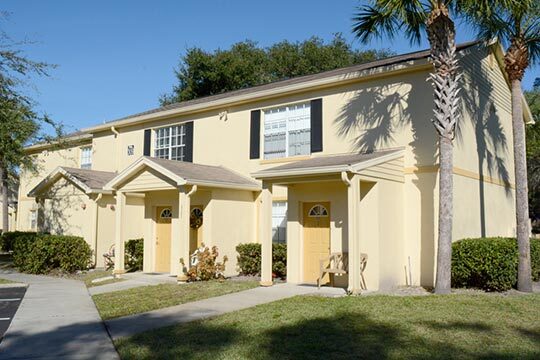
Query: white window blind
[[86, 157], [287, 131], [279, 221], [170, 142]]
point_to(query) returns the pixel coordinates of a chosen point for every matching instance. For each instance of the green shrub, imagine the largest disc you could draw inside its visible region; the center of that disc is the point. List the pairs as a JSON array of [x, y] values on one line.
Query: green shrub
[[490, 263], [8, 238], [22, 246], [134, 250], [42, 253], [249, 259]]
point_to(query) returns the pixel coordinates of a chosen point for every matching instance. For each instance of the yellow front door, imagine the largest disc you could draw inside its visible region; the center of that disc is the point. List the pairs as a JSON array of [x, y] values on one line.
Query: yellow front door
[[196, 222], [316, 238], [163, 238]]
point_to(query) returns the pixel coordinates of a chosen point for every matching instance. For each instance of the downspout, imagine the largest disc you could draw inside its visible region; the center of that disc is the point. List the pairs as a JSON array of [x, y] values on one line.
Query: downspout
[[345, 178], [96, 227], [114, 131], [116, 148], [192, 191]]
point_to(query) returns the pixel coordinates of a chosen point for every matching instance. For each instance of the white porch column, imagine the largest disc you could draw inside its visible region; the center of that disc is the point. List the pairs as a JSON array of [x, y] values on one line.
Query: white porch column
[[182, 229], [265, 233], [353, 221], [119, 234]]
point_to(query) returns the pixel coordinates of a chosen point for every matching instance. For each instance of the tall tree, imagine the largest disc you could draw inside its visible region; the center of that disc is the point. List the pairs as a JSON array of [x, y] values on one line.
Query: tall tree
[[203, 73], [412, 17], [19, 124], [517, 26]]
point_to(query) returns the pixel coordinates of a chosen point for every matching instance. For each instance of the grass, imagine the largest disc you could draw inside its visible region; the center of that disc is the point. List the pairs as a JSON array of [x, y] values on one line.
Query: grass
[[6, 281], [374, 327], [147, 298]]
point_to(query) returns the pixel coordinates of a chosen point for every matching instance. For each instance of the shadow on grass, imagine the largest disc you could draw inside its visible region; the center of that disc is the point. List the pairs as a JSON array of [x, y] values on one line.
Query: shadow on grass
[[343, 336]]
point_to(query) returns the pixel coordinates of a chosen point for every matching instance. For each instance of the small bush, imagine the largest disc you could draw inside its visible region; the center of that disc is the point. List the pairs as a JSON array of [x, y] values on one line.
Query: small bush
[[22, 247], [8, 238], [41, 254], [490, 263], [134, 250], [205, 266], [249, 259]]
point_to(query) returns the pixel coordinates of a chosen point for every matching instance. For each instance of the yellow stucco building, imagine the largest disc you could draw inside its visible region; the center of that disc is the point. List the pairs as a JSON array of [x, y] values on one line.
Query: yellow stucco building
[[341, 161]]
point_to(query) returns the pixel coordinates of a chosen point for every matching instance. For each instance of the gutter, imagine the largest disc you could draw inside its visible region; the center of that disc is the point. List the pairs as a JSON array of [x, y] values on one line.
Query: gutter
[[96, 227]]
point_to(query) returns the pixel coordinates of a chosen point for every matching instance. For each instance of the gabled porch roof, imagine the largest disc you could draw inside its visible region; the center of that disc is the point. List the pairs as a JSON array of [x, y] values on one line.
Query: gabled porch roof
[[185, 173], [88, 181], [331, 164]]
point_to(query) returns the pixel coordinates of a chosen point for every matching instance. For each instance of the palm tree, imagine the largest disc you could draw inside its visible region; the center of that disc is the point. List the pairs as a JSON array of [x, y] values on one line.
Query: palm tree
[[412, 18], [517, 26]]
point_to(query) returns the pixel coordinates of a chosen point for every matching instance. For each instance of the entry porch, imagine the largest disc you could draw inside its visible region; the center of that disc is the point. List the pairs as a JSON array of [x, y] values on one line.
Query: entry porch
[[348, 204], [185, 205]]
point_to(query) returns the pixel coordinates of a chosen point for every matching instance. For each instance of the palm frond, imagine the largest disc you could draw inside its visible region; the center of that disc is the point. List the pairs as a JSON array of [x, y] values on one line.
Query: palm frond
[[374, 22]]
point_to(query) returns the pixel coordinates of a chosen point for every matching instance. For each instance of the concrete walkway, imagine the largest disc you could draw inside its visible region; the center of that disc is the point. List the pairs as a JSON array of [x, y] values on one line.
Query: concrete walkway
[[133, 280], [57, 319], [198, 310]]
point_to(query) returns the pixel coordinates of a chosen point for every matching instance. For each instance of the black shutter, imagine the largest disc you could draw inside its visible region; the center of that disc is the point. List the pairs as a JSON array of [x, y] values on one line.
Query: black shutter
[[316, 125], [255, 135], [188, 150], [147, 142]]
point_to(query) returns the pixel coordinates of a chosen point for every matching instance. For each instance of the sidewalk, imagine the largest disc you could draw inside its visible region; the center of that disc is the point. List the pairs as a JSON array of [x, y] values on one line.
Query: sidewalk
[[198, 310], [57, 319]]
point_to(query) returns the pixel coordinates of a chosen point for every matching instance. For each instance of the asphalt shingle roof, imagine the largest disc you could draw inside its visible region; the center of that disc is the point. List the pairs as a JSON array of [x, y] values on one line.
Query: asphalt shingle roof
[[194, 173], [92, 178]]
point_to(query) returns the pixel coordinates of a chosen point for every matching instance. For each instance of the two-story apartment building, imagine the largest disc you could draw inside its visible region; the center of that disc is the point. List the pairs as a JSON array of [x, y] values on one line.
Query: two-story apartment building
[[341, 161]]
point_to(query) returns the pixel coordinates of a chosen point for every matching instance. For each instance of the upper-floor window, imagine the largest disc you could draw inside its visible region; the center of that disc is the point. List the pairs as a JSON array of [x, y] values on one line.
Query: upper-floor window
[[170, 142], [287, 131], [86, 157]]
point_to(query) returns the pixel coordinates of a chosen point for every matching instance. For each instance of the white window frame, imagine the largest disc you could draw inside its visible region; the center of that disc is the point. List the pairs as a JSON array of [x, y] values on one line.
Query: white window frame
[[279, 218], [33, 220], [181, 135], [86, 157], [288, 128]]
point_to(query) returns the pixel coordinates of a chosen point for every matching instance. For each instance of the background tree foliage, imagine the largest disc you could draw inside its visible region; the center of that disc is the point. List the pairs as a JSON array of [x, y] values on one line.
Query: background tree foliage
[[533, 152], [201, 73], [19, 123]]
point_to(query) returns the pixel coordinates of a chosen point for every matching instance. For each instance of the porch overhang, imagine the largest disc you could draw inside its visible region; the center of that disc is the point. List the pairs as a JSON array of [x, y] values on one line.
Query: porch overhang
[[88, 181], [179, 173], [330, 167]]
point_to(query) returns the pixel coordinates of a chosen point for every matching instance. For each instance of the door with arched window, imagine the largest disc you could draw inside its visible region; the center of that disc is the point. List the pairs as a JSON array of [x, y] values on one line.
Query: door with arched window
[[316, 221], [163, 238]]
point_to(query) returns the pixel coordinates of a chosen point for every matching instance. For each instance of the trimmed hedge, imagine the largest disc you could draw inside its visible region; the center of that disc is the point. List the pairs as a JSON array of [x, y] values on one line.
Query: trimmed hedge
[[490, 263], [134, 250], [249, 259], [8, 238], [40, 254]]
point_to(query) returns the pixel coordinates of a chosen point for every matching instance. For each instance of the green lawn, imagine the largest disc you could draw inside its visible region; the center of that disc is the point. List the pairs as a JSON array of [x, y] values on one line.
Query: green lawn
[[371, 327], [6, 281], [147, 298]]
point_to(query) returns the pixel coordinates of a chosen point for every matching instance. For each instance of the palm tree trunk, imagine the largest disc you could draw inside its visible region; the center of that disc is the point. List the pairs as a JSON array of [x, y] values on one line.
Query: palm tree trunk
[[522, 201], [4, 197], [444, 245], [445, 79]]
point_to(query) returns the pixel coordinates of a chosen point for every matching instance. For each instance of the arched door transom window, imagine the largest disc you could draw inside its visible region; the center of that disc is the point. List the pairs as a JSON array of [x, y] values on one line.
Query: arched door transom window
[[318, 211], [166, 213]]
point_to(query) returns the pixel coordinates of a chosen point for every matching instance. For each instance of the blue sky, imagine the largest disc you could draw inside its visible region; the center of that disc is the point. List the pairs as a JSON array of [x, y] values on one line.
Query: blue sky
[[116, 58]]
